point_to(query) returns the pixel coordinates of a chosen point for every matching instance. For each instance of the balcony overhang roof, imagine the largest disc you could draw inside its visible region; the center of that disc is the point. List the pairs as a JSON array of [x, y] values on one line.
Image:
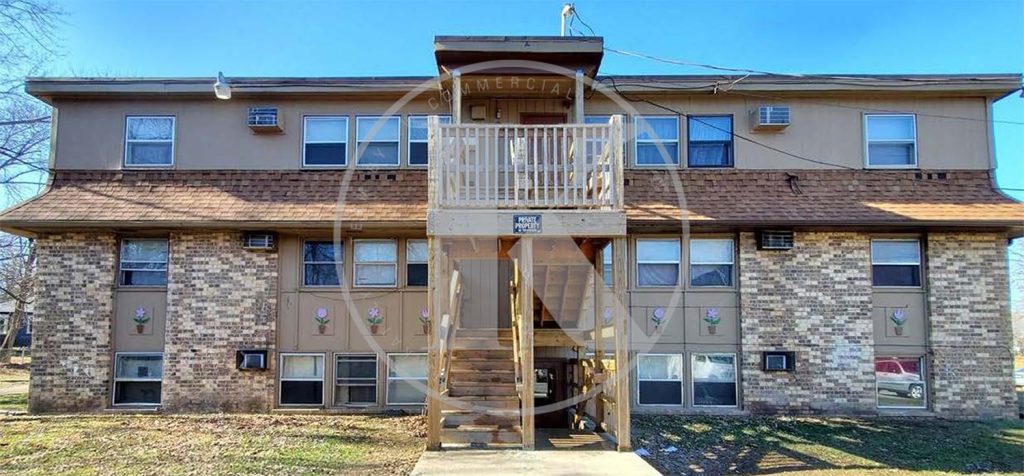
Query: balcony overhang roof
[[574, 53]]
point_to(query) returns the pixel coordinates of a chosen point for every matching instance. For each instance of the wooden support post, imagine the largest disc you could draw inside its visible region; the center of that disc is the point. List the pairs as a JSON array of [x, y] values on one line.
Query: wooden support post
[[578, 99], [622, 364], [599, 290], [436, 298], [526, 295], [456, 97]]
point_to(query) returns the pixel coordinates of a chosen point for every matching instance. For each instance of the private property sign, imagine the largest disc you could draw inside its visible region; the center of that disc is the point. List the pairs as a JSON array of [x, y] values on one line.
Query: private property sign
[[525, 224]]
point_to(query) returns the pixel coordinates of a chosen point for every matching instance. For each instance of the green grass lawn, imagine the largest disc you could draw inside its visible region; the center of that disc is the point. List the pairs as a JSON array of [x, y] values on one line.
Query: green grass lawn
[[210, 444], [807, 446]]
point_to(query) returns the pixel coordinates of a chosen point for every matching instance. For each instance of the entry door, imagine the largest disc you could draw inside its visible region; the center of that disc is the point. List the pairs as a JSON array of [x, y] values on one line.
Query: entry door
[[550, 387], [485, 293]]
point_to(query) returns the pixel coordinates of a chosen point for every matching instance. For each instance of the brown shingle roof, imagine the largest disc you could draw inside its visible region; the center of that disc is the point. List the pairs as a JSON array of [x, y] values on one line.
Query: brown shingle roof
[[733, 197]]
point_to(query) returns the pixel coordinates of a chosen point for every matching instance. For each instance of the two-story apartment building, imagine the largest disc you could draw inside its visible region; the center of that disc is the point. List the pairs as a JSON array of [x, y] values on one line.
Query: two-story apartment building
[[518, 232]]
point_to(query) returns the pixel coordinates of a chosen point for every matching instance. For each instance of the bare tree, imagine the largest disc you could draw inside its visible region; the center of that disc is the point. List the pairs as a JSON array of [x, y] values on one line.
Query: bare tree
[[1017, 292], [17, 286]]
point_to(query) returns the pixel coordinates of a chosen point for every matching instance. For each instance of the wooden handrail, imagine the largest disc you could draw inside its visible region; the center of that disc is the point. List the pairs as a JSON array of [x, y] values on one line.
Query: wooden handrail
[[449, 325]]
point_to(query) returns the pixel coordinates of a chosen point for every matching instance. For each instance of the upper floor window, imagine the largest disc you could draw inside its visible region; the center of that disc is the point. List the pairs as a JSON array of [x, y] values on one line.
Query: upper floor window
[[320, 263], [891, 140], [657, 262], [655, 134], [149, 141], [376, 263], [606, 265], [711, 262], [416, 262], [377, 140], [896, 263], [143, 262], [418, 138], [325, 141], [709, 141]]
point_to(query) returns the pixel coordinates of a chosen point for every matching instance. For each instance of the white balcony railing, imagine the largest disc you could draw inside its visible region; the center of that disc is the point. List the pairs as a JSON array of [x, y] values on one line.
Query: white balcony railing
[[518, 166]]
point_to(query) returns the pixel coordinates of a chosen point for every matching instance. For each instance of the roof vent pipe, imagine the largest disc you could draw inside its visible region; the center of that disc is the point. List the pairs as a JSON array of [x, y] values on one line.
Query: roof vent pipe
[[567, 11]]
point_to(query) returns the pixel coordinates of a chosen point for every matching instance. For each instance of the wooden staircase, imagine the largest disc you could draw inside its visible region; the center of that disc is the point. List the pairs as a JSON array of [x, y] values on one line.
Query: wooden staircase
[[483, 404]]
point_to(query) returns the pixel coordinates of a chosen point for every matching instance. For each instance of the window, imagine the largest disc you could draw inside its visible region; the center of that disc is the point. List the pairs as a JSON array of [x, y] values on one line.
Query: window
[[653, 133], [321, 261], [896, 263], [378, 147], [355, 379], [606, 265], [325, 141], [407, 379], [149, 141], [711, 262], [900, 382], [891, 140], [137, 378], [714, 380], [709, 141], [418, 138], [657, 262], [592, 144], [302, 379], [144, 262], [660, 379], [376, 263], [416, 262]]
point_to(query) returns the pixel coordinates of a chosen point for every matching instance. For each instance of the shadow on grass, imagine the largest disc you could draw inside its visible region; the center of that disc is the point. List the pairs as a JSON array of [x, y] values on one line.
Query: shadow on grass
[[765, 445]]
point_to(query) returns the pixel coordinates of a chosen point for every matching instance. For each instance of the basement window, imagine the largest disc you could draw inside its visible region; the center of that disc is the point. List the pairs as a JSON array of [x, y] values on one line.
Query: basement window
[[416, 262], [711, 262], [137, 378], [324, 141], [418, 152], [355, 379], [660, 379], [657, 262], [900, 382], [407, 379], [376, 263], [320, 263], [302, 379], [149, 141], [143, 262], [377, 140], [714, 380], [896, 263]]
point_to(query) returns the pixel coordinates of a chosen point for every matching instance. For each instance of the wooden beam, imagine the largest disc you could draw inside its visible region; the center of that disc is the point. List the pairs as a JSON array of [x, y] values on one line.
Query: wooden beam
[[578, 100], [619, 267], [599, 332], [526, 294], [456, 97], [436, 297]]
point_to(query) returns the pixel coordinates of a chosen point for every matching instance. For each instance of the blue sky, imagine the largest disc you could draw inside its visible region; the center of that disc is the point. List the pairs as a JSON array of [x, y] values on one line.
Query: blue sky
[[364, 38]]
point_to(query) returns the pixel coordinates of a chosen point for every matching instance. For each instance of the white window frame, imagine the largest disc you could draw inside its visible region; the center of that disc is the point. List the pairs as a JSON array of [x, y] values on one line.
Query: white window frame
[[637, 263], [637, 141], [410, 141], [348, 131], [397, 142], [681, 380], [280, 378], [388, 379], [924, 381], [607, 119], [731, 263], [339, 262], [919, 263], [113, 388], [735, 381], [121, 269], [409, 261], [356, 263], [376, 379], [174, 135], [868, 142]]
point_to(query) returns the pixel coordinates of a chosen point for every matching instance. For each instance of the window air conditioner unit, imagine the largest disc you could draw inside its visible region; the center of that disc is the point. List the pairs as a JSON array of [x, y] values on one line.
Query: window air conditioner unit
[[258, 240], [775, 240], [251, 359], [769, 118], [264, 120]]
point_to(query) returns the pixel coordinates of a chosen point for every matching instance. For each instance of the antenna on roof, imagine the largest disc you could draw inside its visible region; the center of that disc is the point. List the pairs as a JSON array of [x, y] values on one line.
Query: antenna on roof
[[567, 11], [221, 88]]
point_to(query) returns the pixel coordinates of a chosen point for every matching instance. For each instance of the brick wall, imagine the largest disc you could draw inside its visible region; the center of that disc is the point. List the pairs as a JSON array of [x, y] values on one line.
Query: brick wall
[[220, 298], [971, 338], [74, 309], [815, 300]]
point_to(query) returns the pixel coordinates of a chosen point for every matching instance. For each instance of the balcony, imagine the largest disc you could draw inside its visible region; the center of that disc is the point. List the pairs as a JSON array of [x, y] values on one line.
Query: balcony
[[523, 167]]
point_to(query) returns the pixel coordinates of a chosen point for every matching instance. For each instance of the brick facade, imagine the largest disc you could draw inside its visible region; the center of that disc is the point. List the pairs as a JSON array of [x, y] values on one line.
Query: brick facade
[[74, 309], [972, 362], [220, 298], [815, 300]]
